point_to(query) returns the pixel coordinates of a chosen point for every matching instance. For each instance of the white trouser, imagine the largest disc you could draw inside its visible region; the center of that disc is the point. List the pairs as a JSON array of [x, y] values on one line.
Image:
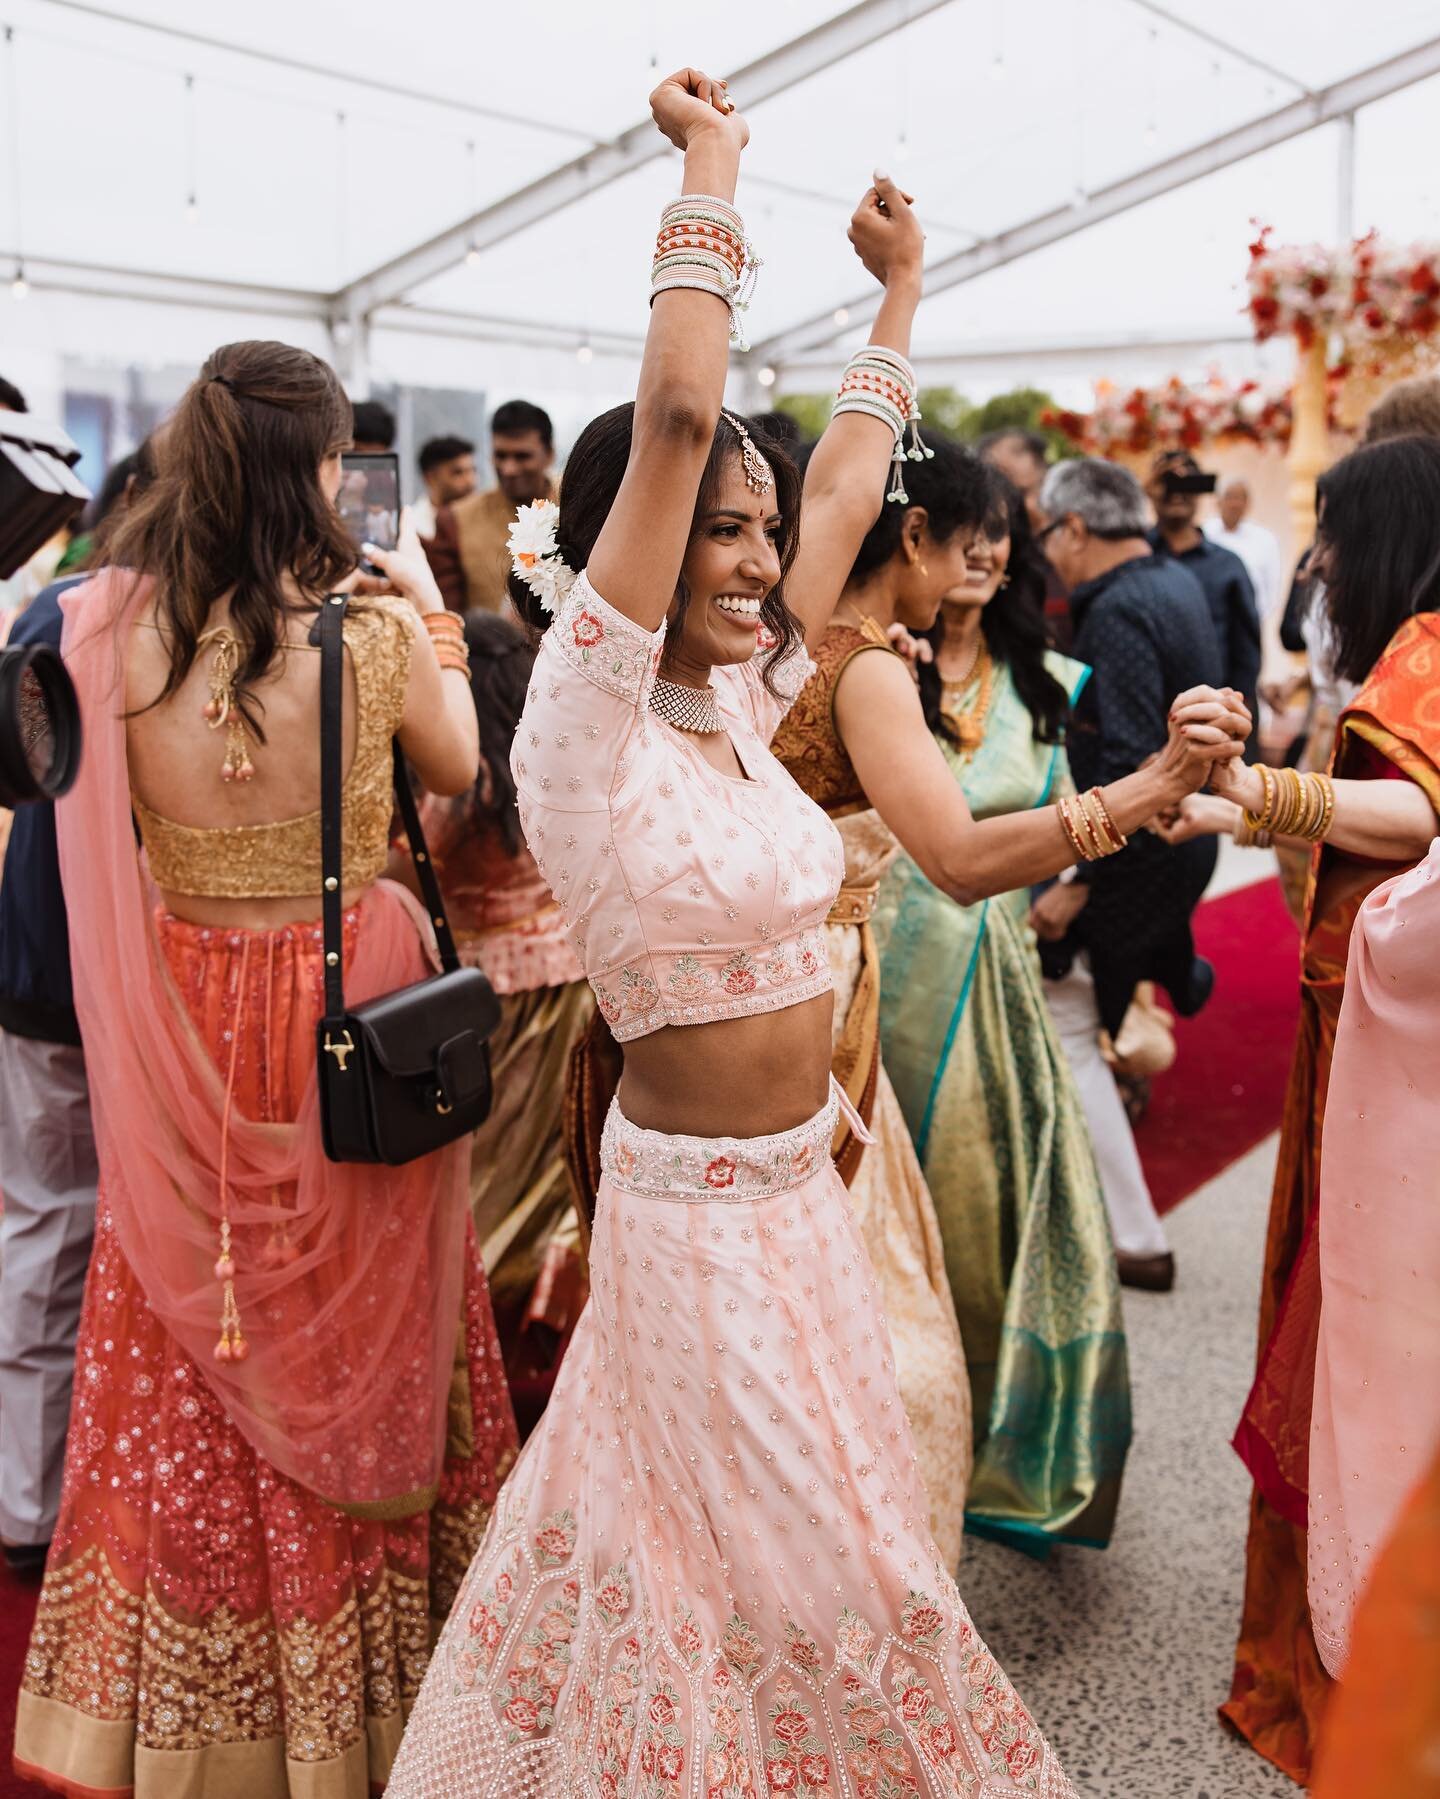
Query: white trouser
[[47, 1176], [1134, 1223]]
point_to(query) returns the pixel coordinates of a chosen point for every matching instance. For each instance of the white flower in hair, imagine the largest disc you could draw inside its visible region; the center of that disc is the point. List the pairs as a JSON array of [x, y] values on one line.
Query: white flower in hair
[[534, 556]]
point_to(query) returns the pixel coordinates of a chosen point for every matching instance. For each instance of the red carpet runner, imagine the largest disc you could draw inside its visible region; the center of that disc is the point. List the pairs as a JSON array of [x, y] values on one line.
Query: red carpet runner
[[1227, 1088], [17, 1608]]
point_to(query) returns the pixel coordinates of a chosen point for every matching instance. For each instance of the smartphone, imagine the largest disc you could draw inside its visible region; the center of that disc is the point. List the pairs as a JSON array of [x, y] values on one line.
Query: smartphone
[[369, 500], [1173, 482]]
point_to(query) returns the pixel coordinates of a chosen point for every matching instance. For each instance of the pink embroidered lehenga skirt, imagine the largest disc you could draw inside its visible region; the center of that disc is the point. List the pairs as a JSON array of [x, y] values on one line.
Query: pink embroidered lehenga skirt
[[207, 1626], [710, 1574]]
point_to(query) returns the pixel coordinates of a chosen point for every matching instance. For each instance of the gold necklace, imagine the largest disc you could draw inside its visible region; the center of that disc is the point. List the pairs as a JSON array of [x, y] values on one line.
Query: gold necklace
[[967, 728]]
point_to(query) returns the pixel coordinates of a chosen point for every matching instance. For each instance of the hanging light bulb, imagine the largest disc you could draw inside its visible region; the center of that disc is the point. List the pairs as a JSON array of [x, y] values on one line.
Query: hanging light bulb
[[472, 255], [841, 315], [584, 354], [766, 376], [997, 67], [19, 287], [192, 210], [1150, 132]]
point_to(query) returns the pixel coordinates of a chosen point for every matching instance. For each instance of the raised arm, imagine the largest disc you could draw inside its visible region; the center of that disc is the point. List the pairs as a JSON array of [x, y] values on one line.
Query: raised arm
[[846, 477], [635, 564], [911, 785]]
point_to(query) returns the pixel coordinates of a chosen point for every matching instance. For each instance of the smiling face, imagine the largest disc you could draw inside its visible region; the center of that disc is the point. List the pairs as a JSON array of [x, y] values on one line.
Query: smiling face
[[929, 570], [732, 562], [985, 565]]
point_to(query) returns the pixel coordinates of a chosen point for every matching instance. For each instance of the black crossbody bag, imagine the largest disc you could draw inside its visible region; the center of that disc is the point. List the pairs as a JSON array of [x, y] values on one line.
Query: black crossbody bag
[[409, 1072]]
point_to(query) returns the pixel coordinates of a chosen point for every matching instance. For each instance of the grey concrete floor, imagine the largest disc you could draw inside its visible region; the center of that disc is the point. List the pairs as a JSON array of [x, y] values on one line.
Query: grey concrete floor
[[1123, 1655]]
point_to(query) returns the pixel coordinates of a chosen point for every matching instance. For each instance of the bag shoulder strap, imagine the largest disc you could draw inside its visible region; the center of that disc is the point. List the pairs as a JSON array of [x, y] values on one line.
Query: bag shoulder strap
[[330, 626]]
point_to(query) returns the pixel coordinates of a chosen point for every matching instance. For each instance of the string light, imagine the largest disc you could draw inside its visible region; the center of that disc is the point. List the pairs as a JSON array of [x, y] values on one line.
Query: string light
[[192, 200], [19, 287], [584, 354], [841, 315], [472, 254], [766, 376], [997, 67]]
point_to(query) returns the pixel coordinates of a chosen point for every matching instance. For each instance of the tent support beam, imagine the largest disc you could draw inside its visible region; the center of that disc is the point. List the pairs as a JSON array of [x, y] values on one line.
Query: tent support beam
[[781, 69], [1278, 127]]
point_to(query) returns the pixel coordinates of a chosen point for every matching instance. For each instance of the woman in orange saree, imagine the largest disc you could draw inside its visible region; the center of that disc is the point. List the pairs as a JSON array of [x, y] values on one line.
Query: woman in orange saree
[[289, 1422], [1379, 554]]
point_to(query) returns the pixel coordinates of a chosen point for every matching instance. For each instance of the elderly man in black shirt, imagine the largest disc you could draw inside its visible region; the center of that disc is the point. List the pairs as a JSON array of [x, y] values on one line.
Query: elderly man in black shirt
[[1229, 591], [1143, 625]]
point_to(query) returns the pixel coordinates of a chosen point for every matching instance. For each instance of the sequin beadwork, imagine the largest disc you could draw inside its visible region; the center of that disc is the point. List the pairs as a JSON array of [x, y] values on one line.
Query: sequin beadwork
[[688, 895]]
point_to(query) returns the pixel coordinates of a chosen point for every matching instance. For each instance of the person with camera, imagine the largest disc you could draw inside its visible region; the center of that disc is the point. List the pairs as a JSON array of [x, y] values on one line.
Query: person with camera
[[1175, 488], [1143, 625], [289, 1422]]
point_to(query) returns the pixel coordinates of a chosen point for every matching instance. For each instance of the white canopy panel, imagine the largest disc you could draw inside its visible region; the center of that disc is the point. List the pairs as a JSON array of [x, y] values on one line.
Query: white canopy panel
[[177, 153]]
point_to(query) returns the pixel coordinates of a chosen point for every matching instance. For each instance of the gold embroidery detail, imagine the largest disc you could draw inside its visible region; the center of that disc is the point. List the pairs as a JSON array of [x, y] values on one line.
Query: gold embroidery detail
[[282, 860]]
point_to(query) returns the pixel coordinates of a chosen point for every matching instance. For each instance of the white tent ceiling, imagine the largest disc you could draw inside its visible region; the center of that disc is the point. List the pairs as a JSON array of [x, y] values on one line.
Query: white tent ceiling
[[319, 142]]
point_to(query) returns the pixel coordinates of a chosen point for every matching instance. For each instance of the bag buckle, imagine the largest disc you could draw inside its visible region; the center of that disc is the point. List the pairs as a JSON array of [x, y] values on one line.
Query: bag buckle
[[341, 1051]]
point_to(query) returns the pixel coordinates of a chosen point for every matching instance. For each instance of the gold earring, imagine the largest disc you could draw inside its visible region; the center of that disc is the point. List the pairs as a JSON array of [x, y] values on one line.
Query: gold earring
[[925, 570]]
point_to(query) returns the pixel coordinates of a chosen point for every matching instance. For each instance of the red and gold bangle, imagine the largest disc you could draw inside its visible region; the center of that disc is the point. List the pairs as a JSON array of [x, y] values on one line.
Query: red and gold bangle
[[1083, 853], [1111, 834]]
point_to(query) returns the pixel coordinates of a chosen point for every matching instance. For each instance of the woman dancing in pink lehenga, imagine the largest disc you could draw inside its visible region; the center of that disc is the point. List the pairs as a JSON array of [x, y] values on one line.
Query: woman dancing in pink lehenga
[[710, 1575]]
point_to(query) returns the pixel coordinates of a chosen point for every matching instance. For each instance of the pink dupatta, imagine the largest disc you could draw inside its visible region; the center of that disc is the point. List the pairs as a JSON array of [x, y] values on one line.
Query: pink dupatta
[[352, 1327], [1375, 1426]]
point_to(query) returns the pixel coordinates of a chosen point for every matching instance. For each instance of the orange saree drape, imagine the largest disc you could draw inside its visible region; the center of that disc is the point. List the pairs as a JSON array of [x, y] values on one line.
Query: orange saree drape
[[1280, 1687]]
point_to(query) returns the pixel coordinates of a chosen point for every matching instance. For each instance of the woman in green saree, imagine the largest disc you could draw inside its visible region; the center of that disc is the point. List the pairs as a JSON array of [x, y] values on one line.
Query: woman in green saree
[[969, 1043]]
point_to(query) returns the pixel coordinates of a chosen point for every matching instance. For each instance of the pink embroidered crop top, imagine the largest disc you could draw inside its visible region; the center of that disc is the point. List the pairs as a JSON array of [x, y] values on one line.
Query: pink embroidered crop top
[[688, 895]]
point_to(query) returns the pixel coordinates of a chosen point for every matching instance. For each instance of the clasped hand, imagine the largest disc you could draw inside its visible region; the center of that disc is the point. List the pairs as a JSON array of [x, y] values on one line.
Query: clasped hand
[[1208, 729]]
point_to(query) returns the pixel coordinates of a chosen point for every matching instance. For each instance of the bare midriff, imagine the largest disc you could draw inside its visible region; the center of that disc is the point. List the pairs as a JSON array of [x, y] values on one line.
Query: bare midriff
[[737, 1077], [251, 914]]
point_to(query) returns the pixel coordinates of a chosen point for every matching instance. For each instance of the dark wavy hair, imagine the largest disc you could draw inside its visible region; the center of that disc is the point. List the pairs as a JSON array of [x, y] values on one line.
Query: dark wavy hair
[[592, 480], [950, 484], [236, 504], [501, 658], [1379, 508], [1013, 623]]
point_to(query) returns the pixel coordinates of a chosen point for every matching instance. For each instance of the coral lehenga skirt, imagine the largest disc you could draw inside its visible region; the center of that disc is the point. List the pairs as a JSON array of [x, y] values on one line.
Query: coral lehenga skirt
[[208, 1627], [710, 1575]]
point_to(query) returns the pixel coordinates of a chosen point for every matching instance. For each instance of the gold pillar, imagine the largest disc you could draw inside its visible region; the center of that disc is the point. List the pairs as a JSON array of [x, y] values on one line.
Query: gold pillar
[[1309, 436]]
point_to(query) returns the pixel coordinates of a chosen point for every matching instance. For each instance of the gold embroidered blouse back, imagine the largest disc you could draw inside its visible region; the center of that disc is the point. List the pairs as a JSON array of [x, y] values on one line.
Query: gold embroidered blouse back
[[281, 860]]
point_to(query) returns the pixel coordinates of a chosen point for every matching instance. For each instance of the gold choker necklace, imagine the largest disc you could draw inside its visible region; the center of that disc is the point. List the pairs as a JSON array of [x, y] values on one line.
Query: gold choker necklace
[[693, 709]]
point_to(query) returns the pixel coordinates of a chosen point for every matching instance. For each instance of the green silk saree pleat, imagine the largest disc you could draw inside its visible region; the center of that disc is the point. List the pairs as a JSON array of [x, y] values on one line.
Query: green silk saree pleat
[[987, 1093]]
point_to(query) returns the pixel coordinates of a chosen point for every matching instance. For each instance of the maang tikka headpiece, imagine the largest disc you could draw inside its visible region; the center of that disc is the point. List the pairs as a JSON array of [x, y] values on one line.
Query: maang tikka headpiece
[[758, 475]]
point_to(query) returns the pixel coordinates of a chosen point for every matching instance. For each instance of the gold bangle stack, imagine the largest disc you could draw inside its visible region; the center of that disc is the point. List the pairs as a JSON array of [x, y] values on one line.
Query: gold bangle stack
[[447, 633], [1295, 805], [1086, 821]]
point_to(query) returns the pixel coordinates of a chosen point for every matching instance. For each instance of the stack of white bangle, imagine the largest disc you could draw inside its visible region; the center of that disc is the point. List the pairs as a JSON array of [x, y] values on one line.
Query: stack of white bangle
[[882, 383], [702, 245]]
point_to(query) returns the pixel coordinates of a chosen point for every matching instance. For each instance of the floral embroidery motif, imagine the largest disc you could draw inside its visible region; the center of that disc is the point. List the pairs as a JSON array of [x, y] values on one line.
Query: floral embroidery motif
[[542, 1662], [931, 1728], [795, 1759], [727, 1771], [875, 1752], [689, 979], [738, 975], [742, 1647], [1006, 1730], [810, 961], [921, 1620], [587, 630], [638, 992], [555, 1538], [485, 1628], [777, 968], [612, 1597], [801, 1647], [662, 1751], [720, 1172], [616, 1737], [685, 1634], [854, 1639]]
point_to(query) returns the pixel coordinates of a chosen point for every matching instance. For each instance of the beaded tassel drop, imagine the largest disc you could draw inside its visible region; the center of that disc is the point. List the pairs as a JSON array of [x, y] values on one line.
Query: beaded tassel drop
[[221, 709]]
